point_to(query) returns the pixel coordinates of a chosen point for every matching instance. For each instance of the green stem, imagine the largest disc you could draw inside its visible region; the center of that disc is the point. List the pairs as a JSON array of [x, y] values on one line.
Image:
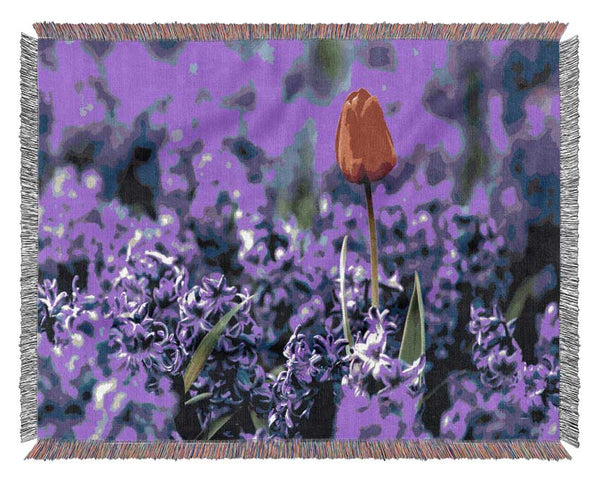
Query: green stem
[[345, 322], [373, 246]]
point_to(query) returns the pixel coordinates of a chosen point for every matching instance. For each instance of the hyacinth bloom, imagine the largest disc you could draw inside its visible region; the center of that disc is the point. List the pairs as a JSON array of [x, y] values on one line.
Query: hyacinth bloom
[[371, 352], [152, 277], [495, 352], [313, 367], [373, 368], [380, 390], [202, 306], [137, 340], [51, 308], [232, 378], [503, 367], [507, 396]]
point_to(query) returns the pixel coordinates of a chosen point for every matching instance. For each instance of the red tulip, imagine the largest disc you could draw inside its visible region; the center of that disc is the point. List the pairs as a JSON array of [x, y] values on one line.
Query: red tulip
[[363, 145]]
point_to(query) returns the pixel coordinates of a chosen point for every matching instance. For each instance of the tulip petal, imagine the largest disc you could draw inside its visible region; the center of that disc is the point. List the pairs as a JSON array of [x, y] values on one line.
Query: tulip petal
[[364, 147]]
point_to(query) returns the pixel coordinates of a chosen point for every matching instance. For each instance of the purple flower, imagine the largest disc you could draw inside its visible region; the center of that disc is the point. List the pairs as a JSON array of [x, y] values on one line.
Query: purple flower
[[231, 377], [202, 307], [507, 398], [376, 320], [62, 316], [551, 368], [411, 376], [139, 341], [312, 366], [495, 353], [372, 368], [488, 330], [369, 356], [377, 337], [152, 277], [380, 391], [534, 379], [503, 368], [50, 307], [325, 357]]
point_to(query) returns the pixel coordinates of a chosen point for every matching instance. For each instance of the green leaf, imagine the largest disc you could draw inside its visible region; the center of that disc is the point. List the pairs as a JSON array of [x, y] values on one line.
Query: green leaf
[[413, 338], [207, 345], [198, 398], [525, 291], [256, 421], [345, 322], [215, 426]]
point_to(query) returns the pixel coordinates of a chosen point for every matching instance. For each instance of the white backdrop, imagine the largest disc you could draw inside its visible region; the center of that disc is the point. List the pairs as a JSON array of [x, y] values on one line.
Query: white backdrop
[[17, 17]]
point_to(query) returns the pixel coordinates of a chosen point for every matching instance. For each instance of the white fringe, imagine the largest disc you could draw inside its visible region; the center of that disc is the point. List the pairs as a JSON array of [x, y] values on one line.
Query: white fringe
[[29, 236], [569, 182]]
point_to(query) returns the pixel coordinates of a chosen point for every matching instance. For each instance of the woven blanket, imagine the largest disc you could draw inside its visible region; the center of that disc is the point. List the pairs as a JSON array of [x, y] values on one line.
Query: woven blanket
[[299, 241]]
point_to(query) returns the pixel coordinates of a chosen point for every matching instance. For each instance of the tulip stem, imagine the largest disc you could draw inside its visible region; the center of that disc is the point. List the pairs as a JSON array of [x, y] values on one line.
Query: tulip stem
[[373, 246]]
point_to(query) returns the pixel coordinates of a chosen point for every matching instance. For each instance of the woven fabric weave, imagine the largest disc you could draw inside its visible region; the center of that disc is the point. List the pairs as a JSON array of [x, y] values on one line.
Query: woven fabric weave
[[300, 240]]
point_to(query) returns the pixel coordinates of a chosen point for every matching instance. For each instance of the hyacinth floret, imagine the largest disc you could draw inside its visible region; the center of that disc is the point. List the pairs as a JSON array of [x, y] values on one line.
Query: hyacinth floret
[[372, 369], [137, 340], [231, 377], [312, 364]]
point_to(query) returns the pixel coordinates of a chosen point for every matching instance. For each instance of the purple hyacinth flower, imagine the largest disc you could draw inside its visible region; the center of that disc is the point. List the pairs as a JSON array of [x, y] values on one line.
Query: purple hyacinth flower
[[504, 368], [137, 341], [313, 365]]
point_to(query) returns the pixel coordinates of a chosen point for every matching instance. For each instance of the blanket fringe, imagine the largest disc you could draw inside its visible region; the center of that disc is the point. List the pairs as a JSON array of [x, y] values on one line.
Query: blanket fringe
[[246, 31], [48, 449], [29, 236], [569, 184]]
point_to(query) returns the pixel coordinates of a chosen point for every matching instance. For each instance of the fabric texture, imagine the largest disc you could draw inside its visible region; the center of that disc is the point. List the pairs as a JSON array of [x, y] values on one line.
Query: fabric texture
[[287, 239]]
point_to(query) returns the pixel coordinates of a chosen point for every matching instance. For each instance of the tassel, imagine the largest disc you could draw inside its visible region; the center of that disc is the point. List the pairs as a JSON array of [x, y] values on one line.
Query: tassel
[[348, 31], [29, 236], [569, 183], [48, 449]]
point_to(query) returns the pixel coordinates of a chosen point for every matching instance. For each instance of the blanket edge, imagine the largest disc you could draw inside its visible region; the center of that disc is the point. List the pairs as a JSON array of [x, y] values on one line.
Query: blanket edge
[[29, 236], [48, 449], [569, 282], [247, 31]]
